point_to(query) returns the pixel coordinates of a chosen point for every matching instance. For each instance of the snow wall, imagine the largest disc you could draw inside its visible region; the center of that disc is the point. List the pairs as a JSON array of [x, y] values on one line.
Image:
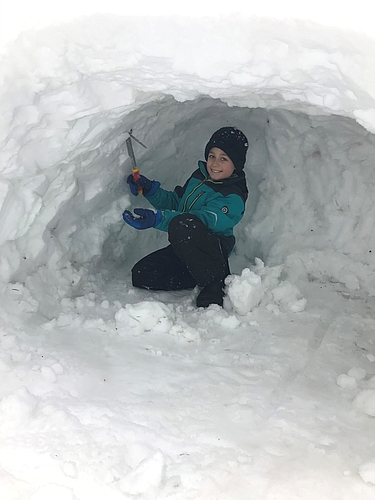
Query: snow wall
[[303, 94]]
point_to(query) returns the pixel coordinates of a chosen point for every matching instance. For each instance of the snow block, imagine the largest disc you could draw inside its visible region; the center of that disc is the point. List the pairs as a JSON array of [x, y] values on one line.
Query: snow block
[[136, 319], [365, 401]]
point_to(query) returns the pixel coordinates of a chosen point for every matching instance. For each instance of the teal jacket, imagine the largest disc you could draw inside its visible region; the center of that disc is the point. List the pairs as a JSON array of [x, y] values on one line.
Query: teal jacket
[[219, 204]]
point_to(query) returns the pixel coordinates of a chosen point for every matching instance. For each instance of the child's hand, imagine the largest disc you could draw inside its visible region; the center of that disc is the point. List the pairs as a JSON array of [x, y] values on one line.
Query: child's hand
[[149, 187], [146, 218]]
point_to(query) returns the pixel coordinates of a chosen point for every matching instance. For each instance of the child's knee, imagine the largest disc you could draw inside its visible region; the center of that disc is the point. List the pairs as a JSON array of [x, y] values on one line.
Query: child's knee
[[183, 227], [137, 277]]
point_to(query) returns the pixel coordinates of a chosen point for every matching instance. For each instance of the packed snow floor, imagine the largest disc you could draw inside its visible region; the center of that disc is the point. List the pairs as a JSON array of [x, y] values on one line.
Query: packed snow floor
[[132, 394]]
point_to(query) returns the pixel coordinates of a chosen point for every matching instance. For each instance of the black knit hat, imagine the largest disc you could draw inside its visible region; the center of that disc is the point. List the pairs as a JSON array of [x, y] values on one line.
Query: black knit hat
[[233, 142]]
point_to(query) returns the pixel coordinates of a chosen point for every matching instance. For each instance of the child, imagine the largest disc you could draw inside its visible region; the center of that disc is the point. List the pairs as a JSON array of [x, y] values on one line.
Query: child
[[199, 218]]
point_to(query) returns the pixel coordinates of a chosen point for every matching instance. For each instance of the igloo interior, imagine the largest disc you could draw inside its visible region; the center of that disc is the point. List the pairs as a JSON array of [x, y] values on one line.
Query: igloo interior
[[304, 95]]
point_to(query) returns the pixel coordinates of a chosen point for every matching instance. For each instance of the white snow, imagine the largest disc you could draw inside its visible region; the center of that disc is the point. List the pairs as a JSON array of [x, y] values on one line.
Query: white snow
[[365, 401], [367, 472], [111, 392]]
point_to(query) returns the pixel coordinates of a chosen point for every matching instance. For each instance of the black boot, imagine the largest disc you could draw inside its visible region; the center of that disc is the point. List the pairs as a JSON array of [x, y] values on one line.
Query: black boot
[[211, 294]]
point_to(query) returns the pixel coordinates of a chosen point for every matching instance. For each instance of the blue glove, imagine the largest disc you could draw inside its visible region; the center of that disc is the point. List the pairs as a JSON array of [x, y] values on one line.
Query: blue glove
[[146, 218], [149, 187]]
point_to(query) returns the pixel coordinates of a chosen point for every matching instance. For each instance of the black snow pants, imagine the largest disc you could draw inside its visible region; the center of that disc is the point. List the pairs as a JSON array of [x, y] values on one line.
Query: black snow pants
[[195, 256]]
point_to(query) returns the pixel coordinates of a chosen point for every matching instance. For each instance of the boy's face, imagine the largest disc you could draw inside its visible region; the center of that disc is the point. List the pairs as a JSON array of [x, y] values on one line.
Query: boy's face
[[219, 165]]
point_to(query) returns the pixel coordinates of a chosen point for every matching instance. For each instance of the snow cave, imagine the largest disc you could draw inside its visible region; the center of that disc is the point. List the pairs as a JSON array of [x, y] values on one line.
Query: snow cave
[[68, 113], [304, 95]]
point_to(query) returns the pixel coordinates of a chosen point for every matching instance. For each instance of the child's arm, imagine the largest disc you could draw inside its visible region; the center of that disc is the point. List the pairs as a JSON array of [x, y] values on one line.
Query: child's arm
[[162, 199]]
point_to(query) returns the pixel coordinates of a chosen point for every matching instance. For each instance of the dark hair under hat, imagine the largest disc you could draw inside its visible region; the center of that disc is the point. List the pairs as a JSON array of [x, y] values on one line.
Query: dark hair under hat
[[233, 142]]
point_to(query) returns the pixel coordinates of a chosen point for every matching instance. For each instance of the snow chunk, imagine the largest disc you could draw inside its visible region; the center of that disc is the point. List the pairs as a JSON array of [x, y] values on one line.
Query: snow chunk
[[58, 368], [186, 333], [289, 296], [230, 322], [48, 374], [216, 316], [367, 472], [143, 317], [349, 381], [147, 477], [245, 291], [262, 284], [357, 373], [346, 382], [365, 401]]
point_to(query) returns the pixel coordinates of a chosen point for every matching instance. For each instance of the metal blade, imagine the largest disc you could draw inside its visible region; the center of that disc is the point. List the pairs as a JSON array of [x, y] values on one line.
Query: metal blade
[[137, 140]]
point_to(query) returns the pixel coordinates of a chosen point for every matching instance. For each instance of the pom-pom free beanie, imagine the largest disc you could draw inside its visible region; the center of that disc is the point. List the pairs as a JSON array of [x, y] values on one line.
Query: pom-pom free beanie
[[233, 142]]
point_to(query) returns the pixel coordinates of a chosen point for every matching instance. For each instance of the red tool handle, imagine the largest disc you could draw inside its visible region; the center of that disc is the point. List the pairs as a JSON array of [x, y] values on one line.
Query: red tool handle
[[136, 176]]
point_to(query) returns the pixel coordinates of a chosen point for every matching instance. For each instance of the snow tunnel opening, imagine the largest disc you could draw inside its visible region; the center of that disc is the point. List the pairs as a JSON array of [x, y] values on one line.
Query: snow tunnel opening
[[310, 194]]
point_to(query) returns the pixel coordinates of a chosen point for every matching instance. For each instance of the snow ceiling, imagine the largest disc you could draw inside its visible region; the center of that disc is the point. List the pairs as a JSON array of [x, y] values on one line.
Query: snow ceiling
[[303, 92]]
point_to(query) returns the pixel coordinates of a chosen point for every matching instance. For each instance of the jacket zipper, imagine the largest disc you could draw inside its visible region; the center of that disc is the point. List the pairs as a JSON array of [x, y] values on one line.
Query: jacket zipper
[[196, 187], [195, 199], [189, 195]]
